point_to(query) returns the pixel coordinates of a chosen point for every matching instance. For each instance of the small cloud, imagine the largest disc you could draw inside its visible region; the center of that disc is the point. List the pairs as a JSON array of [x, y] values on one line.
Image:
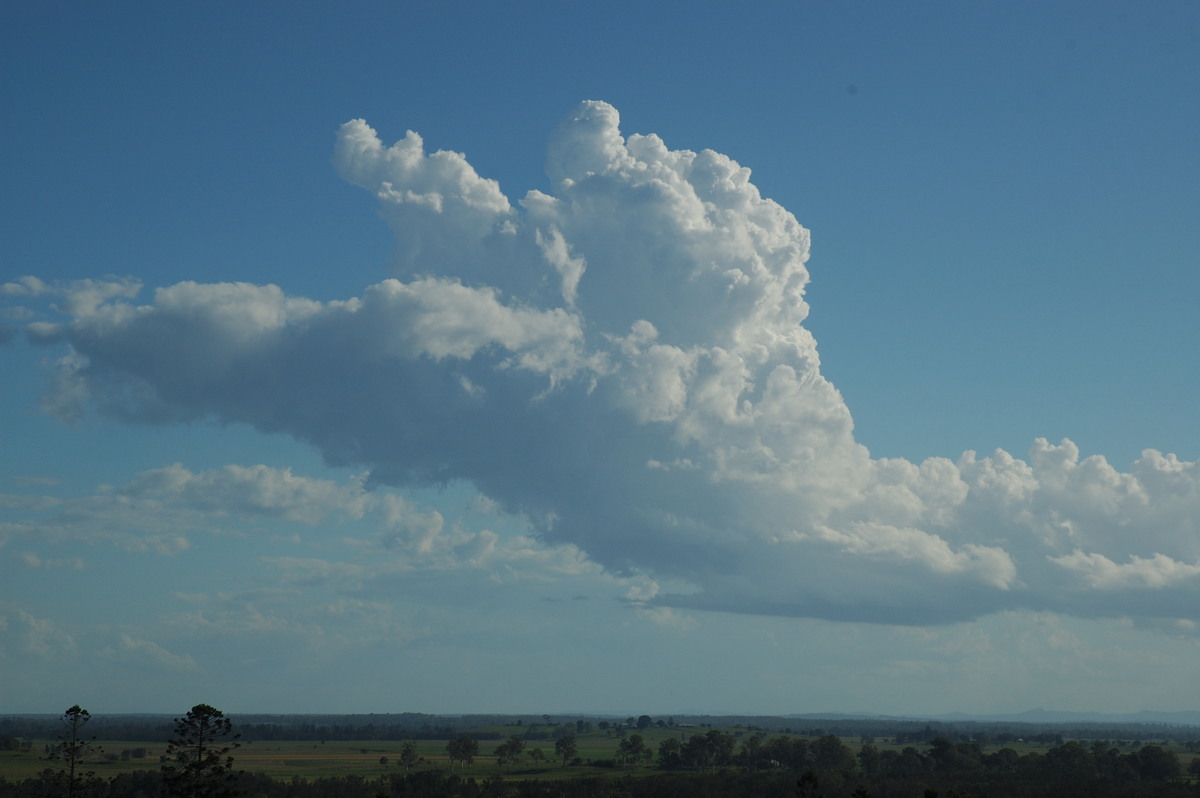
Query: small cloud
[[28, 502], [667, 617], [44, 333], [34, 562], [36, 481], [20, 629], [27, 286], [1155, 572], [642, 591], [144, 652]]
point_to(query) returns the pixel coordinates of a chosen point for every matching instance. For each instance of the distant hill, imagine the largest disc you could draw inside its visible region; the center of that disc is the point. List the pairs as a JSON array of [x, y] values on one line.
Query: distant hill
[[1034, 716], [1058, 716]]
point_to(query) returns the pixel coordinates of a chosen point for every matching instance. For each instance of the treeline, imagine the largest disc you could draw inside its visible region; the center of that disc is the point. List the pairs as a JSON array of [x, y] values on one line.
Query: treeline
[[1045, 734], [917, 730], [418, 726], [14, 731], [943, 759], [134, 727], [9, 742], [719, 784], [339, 732], [387, 726]]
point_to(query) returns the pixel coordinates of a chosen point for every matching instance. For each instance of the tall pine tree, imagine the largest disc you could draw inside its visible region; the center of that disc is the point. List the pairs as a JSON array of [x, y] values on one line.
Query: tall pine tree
[[73, 747], [199, 765]]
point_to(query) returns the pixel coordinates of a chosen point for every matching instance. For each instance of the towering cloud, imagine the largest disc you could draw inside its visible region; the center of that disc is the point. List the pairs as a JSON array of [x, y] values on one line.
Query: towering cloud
[[624, 362]]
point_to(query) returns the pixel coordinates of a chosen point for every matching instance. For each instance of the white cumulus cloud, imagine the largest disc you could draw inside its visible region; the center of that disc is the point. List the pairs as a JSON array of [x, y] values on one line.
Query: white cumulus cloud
[[624, 361]]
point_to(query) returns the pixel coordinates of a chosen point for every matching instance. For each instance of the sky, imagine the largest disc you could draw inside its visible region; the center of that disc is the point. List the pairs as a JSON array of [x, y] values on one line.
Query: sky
[[599, 358]]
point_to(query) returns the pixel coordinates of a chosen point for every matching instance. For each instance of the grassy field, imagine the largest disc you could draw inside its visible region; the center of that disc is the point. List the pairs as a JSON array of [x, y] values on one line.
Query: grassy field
[[16, 765], [307, 759], [311, 760]]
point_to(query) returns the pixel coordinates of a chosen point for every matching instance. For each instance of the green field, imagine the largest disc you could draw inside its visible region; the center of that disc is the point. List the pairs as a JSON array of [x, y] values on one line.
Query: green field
[[311, 760], [308, 759]]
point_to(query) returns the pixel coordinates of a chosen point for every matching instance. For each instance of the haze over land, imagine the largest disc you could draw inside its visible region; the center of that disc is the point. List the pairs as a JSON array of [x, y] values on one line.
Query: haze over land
[[576, 444]]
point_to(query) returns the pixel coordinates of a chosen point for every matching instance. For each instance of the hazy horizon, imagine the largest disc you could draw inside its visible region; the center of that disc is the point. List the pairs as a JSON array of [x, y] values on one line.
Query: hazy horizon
[[756, 360], [1031, 717]]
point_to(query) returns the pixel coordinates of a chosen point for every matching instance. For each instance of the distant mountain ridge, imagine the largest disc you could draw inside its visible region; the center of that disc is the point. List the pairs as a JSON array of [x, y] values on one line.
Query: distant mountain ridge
[[1183, 718], [1039, 716]]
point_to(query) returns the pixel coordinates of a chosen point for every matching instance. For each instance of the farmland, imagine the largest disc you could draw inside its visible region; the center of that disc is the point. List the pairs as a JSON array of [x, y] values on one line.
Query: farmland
[[285, 759], [738, 754]]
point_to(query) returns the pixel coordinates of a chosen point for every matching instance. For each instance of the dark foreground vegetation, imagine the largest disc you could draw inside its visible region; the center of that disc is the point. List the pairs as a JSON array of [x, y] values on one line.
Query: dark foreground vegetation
[[728, 782], [637, 758]]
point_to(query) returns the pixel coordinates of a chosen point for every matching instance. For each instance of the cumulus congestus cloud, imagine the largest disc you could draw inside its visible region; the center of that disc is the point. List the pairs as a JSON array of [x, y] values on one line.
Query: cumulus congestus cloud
[[624, 361]]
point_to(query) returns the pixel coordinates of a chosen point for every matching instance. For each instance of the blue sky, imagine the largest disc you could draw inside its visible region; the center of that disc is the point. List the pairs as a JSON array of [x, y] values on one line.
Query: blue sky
[[579, 415]]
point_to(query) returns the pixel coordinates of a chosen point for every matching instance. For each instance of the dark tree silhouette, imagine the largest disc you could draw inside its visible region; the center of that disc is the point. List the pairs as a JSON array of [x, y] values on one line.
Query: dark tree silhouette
[[565, 748], [670, 754], [463, 749], [633, 750], [73, 748], [198, 763], [509, 752], [408, 754]]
